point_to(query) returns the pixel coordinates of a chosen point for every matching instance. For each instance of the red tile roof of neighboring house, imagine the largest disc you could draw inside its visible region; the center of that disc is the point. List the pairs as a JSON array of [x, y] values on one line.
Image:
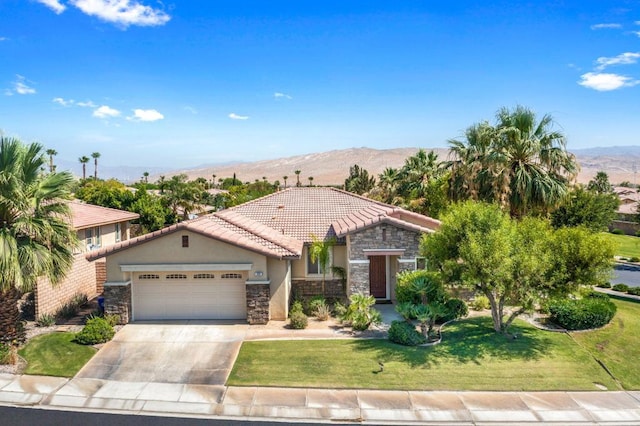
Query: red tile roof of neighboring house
[[87, 215], [279, 224]]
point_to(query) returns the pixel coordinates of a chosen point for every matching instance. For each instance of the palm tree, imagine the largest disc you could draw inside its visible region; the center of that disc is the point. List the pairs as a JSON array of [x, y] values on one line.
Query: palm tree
[[213, 180], [95, 156], [51, 153], [297, 172], [320, 251], [34, 228], [162, 184], [310, 180], [84, 160], [145, 176], [285, 181]]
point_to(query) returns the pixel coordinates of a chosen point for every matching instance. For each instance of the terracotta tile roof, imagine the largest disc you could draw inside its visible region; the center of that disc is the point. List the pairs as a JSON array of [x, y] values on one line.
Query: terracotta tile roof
[[87, 215], [325, 213], [241, 232]]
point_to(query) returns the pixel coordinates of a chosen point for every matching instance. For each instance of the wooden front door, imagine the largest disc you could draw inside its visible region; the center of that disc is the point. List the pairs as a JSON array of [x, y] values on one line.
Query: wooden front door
[[378, 276]]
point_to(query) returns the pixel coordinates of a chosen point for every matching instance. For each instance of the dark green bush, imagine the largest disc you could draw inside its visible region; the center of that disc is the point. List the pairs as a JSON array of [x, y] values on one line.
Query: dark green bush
[[597, 295], [480, 303], [410, 285], [314, 303], [617, 231], [604, 285], [404, 333], [46, 320], [582, 314], [621, 287], [634, 290], [634, 259], [298, 320], [5, 353], [97, 330], [296, 307], [455, 308]]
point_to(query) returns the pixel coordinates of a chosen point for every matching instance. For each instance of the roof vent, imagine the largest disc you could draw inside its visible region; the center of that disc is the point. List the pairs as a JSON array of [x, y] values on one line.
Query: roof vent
[[281, 206]]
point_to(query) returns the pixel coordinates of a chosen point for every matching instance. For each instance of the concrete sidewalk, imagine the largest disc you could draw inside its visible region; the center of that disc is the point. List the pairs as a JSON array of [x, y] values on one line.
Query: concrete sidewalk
[[321, 405]]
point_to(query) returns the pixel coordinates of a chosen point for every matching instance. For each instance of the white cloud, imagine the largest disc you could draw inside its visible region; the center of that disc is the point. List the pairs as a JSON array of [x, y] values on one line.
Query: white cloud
[[63, 102], [105, 112], [605, 26], [279, 95], [20, 87], [146, 115], [87, 104], [54, 5], [604, 82], [636, 33], [4, 38], [622, 59], [191, 109], [122, 12], [235, 116]]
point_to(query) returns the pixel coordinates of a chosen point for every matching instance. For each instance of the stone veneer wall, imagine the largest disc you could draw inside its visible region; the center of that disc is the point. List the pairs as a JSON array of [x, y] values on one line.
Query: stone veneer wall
[[117, 301], [81, 279], [371, 239], [258, 296], [304, 288]]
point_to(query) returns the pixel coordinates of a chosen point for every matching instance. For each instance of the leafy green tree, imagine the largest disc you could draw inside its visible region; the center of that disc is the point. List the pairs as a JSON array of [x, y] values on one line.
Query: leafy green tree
[[106, 193], [590, 208], [35, 231], [600, 184], [520, 163], [320, 252], [359, 181], [153, 214]]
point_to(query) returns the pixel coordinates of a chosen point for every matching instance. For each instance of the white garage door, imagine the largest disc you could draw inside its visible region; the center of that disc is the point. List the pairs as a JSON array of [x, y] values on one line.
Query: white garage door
[[189, 295]]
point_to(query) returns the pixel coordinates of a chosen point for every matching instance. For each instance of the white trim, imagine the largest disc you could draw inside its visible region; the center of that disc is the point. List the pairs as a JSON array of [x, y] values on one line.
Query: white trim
[[117, 283], [258, 282], [407, 261], [358, 262], [163, 267], [387, 277], [383, 252]]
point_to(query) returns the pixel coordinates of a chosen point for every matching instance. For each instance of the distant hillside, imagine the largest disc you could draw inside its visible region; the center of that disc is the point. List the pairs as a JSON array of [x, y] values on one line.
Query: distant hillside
[[332, 167]]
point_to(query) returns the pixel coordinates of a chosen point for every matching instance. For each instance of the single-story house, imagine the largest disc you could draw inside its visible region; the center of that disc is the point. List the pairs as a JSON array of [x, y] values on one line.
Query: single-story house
[[96, 228], [244, 263]]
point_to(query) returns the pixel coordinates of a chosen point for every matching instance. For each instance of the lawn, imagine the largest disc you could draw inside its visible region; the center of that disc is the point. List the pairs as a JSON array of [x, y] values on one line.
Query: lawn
[[55, 355], [626, 245], [618, 344], [471, 357]]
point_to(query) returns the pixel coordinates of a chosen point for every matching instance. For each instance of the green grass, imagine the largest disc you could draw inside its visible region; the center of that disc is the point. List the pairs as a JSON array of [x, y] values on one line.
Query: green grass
[[618, 344], [55, 355], [626, 245], [472, 357]]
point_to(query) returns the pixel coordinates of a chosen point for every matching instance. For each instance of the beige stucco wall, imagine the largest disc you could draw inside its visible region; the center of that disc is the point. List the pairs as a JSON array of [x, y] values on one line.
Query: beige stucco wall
[[280, 276], [107, 235], [168, 249]]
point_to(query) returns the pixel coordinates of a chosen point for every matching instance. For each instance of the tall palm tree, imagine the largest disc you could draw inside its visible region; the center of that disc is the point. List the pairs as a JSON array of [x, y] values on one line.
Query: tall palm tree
[[35, 230], [51, 153], [95, 156], [285, 181], [310, 180], [297, 172], [213, 180], [84, 160], [145, 176]]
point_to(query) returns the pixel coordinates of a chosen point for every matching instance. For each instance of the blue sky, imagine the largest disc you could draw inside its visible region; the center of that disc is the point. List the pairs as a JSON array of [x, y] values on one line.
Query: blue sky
[[182, 83]]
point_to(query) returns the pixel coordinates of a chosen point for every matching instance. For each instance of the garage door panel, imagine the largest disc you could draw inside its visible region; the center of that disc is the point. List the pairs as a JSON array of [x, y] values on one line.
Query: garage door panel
[[189, 299]]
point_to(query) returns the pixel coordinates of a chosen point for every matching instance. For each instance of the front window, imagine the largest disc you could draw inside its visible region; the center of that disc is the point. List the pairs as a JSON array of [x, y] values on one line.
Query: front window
[[314, 268], [88, 237], [118, 233]]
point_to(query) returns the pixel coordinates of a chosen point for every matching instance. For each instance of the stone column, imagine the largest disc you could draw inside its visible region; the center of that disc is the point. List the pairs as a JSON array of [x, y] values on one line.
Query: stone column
[[117, 301], [258, 296]]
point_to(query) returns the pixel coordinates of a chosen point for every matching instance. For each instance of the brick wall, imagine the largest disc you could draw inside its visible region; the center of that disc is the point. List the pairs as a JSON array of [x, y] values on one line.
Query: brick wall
[[306, 289], [101, 275], [81, 279], [372, 239], [629, 228]]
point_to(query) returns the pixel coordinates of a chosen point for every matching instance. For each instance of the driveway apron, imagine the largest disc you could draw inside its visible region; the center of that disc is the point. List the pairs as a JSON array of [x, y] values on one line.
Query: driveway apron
[[187, 352]]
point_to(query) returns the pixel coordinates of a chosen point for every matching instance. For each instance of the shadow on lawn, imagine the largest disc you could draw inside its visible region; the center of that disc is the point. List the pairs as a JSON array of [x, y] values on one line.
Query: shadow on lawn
[[468, 341]]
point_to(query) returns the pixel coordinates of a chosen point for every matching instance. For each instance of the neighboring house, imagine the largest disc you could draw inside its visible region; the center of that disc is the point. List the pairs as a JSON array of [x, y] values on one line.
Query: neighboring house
[[245, 262], [627, 210], [96, 228]]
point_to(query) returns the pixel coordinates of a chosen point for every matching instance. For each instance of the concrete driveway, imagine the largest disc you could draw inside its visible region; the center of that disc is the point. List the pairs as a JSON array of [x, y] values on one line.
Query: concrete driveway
[[189, 352]]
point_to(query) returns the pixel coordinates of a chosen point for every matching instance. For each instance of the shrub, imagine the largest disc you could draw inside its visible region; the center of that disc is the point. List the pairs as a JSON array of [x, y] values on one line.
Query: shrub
[[413, 285], [621, 287], [454, 308], [339, 309], [80, 300], [360, 313], [28, 306], [617, 231], [637, 234], [112, 319], [604, 285], [480, 303], [68, 310], [595, 295], [405, 310], [634, 259], [314, 303], [296, 307], [46, 320], [404, 333], [323, 312], [97, 330], [634, 290], [298, 320], [582, 314], [5, 353]]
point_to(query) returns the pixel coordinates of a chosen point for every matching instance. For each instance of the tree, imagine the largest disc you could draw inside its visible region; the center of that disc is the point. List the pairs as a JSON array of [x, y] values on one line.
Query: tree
[[284, 178], [520, 163], [359, 181], [297, 172], [145, 177], [35, 230], [584, 207], [513, 262], [106, 193], [95, 157], [600, 184], [51, 153], [310, 180], [320, 252], [84, 160]]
